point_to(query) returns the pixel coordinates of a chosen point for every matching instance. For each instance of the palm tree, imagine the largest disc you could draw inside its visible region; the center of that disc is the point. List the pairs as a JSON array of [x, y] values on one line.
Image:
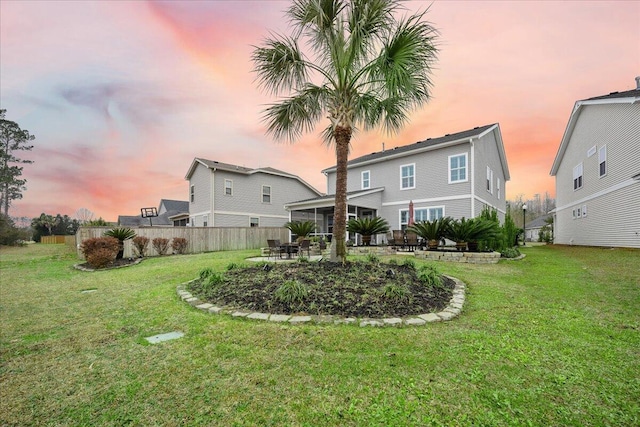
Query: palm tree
[[366, 68]]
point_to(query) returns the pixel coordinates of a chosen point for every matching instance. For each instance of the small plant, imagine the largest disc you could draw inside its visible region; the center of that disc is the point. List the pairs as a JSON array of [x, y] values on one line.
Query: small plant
[[233, 266], [303, 258], [291, 292], [301, 229], [179, 245], [368, 227], [122, 234], [432, 231], [205, 272], [160, 244], [394, 292], [409, 263], [99, 252], [140, 245], [373, 258], [213, 280], [430, 276], [510, 253]]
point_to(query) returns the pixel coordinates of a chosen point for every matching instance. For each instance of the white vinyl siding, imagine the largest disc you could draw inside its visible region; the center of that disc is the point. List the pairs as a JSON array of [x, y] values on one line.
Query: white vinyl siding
[[366, 180], [602, 161], [408, 176], [228, 187], [266, 194], [577, 176], [458, 168]]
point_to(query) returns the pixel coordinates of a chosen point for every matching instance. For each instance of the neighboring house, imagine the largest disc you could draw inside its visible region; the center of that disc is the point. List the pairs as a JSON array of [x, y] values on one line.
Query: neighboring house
[[597, 170], [454, 175], [225, 195], [534, 227], [170, 213]]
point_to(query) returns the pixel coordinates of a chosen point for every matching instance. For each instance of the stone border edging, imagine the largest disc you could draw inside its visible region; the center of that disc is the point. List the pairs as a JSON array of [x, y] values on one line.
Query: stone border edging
[[453, 309], [518, 258], [91, 270]]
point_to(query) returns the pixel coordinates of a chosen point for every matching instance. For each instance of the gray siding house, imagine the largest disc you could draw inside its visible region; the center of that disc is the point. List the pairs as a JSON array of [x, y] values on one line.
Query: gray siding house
[[454, 175], [597, 170], [170, 213], [225, 195]]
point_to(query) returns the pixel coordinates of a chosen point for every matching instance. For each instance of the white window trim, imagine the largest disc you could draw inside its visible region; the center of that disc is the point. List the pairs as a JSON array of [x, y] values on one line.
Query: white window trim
[[414, 176], [368, 172], [466, 168], [602, 160], [263, 194], [578, 172], [230, 187], [427, 208], [254, 217], [192, 193], [489, 180]]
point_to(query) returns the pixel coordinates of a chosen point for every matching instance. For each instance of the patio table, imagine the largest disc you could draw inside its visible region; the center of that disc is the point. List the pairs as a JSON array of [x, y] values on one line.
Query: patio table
[[291, 248]]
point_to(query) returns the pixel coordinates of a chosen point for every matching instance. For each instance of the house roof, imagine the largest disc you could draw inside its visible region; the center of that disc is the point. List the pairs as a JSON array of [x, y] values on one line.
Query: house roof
[[215, 165], [431, 144], [625, 97], [329, 199], [539, 222], [175, 205]]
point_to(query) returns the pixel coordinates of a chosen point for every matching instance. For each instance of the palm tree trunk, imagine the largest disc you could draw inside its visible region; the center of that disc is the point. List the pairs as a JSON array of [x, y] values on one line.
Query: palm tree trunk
[[342, 136]]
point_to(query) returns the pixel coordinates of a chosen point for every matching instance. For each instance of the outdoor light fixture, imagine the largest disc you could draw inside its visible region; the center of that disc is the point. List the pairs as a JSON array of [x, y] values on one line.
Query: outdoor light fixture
[[524, 224]]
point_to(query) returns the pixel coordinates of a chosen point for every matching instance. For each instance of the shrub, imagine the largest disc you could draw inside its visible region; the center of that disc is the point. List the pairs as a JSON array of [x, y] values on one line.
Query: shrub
[[160, 244], [367, 227], [430, 276], [301, 228], [373, 258], [122, 234], [510, 253], [291, 292], [432, 231], [179, 245], [100, 251], [140, 244]]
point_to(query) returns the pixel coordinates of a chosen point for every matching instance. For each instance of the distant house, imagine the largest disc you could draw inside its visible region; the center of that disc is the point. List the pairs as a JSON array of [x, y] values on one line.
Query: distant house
[[226, 195], [170, 213], [597, 170], [454, 175], [534, 227]]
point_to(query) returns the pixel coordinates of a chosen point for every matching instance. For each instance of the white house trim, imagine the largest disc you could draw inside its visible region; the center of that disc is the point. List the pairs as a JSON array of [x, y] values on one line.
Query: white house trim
[[432, 200], [253, 214]]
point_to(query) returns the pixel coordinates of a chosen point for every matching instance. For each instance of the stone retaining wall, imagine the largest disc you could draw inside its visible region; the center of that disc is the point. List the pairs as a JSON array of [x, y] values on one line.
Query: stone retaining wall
[[468, 257]]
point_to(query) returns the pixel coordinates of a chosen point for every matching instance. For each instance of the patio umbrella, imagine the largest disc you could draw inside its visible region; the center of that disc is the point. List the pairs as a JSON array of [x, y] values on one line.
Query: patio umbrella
[[411, 212]]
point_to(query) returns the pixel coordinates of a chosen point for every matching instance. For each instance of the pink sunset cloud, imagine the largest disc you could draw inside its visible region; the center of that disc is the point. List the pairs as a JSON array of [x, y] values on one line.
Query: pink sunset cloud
[[123, 95]]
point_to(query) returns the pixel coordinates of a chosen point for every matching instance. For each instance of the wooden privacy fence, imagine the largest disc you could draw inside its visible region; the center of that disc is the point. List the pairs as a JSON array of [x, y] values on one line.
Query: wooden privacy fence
[[52, 240], [199, 239]]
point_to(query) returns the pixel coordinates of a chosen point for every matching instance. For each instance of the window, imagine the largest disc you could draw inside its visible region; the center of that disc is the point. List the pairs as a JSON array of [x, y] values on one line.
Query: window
[[407, 176], [577, 177], [573, 214], [422, 214], [584, 211], [366, 179], [498, 188], [578, 212], [254, 222], [489, 180], [228, 187], [192, 193], [458, 168], [266, 194], [205, 220], [602, 160]]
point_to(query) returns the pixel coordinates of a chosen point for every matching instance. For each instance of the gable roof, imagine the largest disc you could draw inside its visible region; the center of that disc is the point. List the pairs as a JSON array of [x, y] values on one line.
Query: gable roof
[[626, 97], [432, 144], [227, 167], [329, 199], [175, 205]]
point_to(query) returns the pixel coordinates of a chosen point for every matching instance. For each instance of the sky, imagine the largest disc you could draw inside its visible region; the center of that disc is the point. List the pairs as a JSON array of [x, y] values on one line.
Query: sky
[[123, 95]]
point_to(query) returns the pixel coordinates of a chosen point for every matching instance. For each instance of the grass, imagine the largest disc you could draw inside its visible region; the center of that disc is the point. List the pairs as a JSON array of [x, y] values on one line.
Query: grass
[[553, 339]]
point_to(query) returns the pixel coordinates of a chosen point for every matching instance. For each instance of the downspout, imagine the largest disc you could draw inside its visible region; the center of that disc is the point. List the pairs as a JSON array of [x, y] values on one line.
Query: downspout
[[213, 197], [472, 173]]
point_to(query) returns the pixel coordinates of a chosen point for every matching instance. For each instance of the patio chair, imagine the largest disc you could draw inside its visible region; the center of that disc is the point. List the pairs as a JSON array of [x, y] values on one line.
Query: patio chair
[[305, 245], [390, 240], [398, 237], [275, 248], [412, 240]]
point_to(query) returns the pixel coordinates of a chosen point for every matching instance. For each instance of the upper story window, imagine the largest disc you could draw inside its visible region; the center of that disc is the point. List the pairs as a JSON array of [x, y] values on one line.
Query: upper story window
[[266, 194], [366, 180], [602, 160], [489, 180], [577, 177], [458, 168], [228, 187], [192, 193], [408, 176]]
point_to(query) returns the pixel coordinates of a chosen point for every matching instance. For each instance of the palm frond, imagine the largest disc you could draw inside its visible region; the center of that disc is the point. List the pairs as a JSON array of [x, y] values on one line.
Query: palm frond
[[291, 117], [280, 65]]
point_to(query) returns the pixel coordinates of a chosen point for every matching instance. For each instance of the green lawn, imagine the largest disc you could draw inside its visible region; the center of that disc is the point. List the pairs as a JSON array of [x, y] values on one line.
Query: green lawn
[[551, 340]]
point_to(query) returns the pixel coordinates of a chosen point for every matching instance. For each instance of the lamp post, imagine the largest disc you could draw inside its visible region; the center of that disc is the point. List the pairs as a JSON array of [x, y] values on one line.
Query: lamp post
[[524, 224]]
